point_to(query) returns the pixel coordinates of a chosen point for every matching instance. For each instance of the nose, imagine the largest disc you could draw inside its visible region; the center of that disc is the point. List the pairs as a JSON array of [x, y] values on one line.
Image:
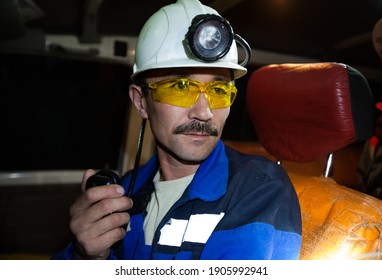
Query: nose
[[201, 109]]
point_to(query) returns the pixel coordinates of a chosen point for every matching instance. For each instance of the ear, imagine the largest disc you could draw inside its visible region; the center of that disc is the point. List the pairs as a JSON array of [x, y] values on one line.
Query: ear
[[138, 99]]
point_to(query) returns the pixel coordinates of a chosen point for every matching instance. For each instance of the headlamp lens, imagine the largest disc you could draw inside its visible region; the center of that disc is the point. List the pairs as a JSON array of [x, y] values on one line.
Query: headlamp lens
[[184, 92], [210, 37]]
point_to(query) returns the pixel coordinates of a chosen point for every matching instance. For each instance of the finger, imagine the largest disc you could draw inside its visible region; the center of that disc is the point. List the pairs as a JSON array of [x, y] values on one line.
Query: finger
[[86, 211], [93, 195], [108, 206], [99, 245], [85, 177], [110, 222], [104, 225], [101, 235]]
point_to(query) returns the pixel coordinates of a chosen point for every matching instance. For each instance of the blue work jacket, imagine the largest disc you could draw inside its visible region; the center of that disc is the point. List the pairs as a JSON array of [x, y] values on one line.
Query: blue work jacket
[[237, 206]]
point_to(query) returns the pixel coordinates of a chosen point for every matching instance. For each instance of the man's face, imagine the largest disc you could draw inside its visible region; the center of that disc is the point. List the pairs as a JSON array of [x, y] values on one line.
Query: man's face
[[187, 135]]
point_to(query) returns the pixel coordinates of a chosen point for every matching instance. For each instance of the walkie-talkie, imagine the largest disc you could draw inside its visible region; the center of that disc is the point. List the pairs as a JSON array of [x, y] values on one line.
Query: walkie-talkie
[[102, 177]]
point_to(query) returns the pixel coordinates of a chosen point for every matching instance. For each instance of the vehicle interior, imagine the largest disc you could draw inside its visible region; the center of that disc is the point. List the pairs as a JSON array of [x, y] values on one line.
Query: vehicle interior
[[65, 69]]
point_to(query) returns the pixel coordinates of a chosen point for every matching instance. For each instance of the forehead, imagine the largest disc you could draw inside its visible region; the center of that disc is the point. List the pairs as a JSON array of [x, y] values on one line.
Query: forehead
[[201, 73]]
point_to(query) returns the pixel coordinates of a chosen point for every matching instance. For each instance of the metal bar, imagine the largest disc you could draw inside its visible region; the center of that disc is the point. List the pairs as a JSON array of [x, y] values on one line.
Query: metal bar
[[328, 167]]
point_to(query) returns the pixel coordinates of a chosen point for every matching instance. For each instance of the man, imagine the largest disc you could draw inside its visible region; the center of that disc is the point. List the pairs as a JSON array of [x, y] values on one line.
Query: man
[[196, 198]]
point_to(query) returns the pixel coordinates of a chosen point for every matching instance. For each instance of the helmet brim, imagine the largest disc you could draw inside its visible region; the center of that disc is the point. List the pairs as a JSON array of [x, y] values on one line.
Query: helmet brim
[[238, 70]]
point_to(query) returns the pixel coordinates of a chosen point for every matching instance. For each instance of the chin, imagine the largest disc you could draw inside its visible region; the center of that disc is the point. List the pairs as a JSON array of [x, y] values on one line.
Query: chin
[[195, 157]]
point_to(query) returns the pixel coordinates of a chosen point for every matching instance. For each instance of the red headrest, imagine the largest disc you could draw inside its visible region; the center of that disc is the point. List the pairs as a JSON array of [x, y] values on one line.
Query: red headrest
[[302, 112]]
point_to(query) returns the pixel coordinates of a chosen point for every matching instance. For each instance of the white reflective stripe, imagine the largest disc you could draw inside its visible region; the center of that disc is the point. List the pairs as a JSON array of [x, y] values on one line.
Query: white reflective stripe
[[172, 233], [198, 229], [201, 226]]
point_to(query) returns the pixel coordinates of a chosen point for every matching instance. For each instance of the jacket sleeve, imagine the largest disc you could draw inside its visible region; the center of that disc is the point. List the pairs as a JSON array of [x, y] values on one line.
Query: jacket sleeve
[[68, 254]]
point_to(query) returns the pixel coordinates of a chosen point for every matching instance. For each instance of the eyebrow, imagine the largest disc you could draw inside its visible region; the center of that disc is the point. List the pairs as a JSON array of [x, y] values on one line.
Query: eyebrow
[[191, 76]]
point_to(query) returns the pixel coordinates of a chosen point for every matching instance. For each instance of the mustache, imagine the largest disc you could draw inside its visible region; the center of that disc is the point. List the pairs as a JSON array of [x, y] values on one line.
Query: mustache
[[196, 126]]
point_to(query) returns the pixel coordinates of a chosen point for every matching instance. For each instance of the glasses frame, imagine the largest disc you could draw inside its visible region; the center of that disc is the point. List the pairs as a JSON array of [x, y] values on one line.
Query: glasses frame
[[228, 87]]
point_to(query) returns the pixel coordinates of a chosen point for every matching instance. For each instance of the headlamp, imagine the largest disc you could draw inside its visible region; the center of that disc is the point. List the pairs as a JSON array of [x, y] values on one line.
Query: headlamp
[[210, 38]]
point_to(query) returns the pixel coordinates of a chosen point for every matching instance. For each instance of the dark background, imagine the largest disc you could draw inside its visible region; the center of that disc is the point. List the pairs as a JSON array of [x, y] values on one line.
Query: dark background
[[59, 113]]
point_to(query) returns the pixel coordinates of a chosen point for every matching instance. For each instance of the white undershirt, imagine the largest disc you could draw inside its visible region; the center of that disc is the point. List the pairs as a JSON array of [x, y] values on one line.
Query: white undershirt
[[165, 194]]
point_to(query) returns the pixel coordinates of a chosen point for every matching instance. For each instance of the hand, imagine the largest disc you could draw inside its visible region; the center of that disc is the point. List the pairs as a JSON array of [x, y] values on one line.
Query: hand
[[97, 218]]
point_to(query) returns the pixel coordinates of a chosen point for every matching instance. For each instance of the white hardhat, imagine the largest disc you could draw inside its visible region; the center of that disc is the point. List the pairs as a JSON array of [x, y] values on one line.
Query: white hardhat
[[162, 41]]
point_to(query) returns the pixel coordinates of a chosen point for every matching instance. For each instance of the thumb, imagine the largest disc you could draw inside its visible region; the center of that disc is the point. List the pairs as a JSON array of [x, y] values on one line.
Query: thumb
[[85, 177]]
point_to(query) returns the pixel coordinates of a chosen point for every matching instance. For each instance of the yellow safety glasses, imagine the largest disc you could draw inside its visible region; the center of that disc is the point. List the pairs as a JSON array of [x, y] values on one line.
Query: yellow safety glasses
[[184, 92]]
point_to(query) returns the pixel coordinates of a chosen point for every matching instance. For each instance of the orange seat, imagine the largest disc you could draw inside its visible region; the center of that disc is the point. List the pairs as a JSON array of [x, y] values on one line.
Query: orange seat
[[338, 222], [302, 112]]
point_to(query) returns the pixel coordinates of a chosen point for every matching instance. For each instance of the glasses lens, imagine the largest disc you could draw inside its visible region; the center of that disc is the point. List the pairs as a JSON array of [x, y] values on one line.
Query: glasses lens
[[221, 94], [178, 92], [185, 92]]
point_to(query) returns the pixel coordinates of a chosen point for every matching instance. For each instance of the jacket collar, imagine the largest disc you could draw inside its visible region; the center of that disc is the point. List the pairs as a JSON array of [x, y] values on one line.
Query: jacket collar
[[209, 182]]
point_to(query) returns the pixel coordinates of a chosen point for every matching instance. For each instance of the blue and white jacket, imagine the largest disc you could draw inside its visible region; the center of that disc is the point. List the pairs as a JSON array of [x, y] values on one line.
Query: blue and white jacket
[[236, 207]]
